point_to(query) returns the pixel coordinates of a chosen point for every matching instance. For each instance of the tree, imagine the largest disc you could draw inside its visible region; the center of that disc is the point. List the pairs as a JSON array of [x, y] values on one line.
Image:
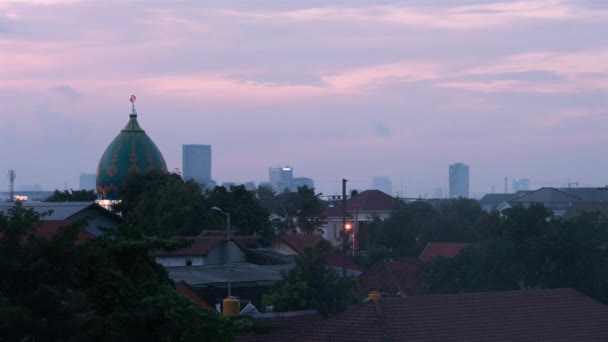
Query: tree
[[164, 205], [412, 226], [529, 248], [72, 196], [108, 288], [311, 284], [309, 210], [265, 192]]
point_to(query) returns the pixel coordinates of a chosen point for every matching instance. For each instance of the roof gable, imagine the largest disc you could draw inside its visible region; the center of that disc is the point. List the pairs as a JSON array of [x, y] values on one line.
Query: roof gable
[[547, 195], [368, 200], [394, 278], [433, 250], [299, 242]]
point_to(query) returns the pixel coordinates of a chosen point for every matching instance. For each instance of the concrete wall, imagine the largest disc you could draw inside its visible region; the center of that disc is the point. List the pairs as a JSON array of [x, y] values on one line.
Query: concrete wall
[[177, 261]]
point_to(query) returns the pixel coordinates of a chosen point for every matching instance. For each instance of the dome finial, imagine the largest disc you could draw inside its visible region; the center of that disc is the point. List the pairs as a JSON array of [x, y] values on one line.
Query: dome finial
[[133, 112]]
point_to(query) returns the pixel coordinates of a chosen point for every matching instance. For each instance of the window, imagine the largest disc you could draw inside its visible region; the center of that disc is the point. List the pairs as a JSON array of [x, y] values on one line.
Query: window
[[188, 262]]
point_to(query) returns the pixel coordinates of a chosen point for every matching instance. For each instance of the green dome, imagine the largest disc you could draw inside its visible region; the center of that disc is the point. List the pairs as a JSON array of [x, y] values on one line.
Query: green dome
[[131, 152]]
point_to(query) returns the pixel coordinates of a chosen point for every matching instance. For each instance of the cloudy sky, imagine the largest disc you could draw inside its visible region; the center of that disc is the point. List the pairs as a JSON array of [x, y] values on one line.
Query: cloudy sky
[[342, 89]]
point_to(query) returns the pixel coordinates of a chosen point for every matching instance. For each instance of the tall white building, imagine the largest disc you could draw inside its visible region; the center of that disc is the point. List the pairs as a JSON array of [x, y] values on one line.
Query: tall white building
[[196, 163], [459, 180]]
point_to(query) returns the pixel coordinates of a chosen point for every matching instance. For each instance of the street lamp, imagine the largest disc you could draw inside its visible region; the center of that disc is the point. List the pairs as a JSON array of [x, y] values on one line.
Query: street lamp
[[228, 249]]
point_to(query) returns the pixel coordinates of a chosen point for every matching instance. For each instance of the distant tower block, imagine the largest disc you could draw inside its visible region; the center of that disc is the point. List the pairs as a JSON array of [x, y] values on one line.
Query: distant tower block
[[11, 184]]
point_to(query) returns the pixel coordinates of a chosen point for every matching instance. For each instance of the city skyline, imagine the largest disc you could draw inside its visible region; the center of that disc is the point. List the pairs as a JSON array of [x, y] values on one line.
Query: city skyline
[[395, 89]]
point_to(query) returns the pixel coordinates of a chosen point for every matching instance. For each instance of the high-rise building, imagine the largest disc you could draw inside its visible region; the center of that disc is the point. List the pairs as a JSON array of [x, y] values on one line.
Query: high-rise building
[[459, 180], [383, 184], [87, 181], [522, 184], [196, 163], [280, 178]]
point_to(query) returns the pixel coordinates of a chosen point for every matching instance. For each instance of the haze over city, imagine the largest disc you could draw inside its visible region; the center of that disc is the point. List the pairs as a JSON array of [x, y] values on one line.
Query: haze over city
[[334, 89]]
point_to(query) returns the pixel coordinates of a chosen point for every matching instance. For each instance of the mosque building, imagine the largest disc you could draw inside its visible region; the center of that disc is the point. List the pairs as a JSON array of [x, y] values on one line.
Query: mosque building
[[131, 152]]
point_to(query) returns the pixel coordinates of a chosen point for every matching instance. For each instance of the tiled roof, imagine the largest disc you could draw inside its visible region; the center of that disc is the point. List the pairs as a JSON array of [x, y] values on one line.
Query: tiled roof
[[183, 288], [282, 326], [368, 200], [528, 315], [434, 250], [47, 229], [203, 244], [392, 278], [299, 242]]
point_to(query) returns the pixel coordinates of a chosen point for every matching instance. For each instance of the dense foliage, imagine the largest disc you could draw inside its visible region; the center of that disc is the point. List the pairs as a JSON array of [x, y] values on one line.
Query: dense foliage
[[311, 284], [529, 248], [72, 196], [411, 226], [168, 206], [107, 288]]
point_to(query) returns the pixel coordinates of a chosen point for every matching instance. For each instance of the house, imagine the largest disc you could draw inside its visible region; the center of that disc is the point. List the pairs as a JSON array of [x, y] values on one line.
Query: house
[[185, 290], [491, 202], [292, 245], [392, 278], [97, 216], [433, 250], [205, 250], [360, 209], [48, 229], [527, 315], [553, 199]]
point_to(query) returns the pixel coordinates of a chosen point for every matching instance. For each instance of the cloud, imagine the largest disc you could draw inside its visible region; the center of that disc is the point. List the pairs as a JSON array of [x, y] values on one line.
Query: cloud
[[439, 17]]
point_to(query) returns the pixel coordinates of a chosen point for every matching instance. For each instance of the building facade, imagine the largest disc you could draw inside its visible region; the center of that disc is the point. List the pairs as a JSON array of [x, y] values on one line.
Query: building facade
[[196, 163], [522, 184], [459, 180], [87, 181]]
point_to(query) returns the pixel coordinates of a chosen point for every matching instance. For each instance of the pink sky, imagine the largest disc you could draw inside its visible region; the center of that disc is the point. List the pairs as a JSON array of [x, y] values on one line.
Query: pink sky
[[337, 90]]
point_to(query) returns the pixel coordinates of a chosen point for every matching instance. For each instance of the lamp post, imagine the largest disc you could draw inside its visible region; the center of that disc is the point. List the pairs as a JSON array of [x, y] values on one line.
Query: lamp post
[[228, 249]]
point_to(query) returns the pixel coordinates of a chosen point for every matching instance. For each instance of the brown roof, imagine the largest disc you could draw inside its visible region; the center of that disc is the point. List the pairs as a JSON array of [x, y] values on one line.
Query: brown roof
[[201, 245], [529, 315], [368, 200], [282, 326], [392, 278], [183, 288], [48, 229], [433, 250], [299, 242]]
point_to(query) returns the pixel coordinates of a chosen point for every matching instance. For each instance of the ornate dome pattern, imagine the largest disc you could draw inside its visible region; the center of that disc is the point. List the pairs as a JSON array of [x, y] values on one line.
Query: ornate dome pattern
[[131, 152]]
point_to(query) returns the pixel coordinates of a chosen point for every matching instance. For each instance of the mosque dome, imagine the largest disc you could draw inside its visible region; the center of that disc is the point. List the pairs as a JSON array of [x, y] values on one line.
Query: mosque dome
[[131, 152]]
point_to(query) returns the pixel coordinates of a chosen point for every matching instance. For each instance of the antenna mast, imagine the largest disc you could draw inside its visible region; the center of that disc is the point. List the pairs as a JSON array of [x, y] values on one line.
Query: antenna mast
[[11, 184]]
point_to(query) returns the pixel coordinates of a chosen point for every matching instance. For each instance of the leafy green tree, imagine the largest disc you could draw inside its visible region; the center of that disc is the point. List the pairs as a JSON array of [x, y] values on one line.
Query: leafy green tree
[[529, 248], [412, 226], [72, 196], [309, 210], [108, 288], [265, 192], [311, 284]]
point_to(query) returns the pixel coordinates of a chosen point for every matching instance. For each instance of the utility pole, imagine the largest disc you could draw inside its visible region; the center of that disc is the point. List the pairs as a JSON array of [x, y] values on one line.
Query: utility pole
[[344, 234]]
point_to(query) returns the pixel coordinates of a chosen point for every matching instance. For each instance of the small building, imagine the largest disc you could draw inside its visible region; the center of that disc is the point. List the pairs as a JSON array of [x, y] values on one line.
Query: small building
[[392, 278], [98, 217], [360, 209], [204, 251]]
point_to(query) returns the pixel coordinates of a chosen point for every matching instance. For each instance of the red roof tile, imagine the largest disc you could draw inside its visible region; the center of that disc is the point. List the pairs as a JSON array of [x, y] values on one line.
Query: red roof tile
[[203, 244], [434, 250], [48, 229], [529, 315], [299, 242], [283, 326], [368, 200], [335, 259], [183, 288], [392, 278]]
